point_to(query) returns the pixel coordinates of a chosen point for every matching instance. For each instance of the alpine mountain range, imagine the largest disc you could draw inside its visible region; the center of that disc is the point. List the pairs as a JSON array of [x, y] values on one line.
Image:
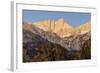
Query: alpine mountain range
[[54, 40]]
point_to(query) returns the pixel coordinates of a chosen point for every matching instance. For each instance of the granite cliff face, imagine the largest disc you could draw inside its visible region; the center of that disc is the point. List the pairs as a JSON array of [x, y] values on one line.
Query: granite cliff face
[[58, 38], [62, 28]]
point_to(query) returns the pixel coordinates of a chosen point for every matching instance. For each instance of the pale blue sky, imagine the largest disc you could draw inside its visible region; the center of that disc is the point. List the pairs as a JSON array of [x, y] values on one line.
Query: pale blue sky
[[73, 18]]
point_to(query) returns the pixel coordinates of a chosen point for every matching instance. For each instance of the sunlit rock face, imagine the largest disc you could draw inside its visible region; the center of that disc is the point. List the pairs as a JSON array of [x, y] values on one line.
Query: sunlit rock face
[[62, 28], [53, 40]]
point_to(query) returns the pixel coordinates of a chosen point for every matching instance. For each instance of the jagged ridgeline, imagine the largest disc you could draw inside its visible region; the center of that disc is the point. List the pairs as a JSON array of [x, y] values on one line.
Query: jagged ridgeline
[[51, 40]]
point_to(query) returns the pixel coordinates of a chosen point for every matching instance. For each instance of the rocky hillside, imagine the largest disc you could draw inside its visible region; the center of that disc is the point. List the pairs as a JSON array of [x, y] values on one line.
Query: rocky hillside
[[55, 40], [36, 48]]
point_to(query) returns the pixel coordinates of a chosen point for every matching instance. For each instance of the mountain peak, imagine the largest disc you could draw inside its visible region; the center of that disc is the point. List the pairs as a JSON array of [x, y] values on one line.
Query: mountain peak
[[86, 27], [61, 19], [62, 28]]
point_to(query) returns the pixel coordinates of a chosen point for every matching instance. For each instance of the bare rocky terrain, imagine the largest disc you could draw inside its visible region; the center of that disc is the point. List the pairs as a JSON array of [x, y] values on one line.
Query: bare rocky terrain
[[47, 45]]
